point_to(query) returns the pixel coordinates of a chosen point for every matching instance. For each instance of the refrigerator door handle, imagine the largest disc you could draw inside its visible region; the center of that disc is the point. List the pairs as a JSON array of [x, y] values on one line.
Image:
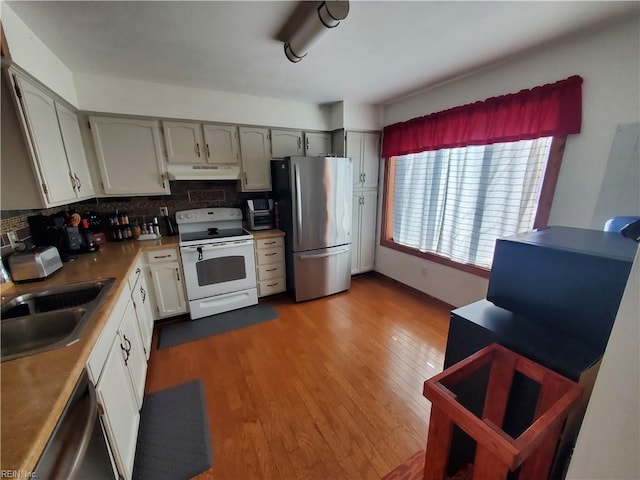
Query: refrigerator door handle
[[310, 256], [296, 174]]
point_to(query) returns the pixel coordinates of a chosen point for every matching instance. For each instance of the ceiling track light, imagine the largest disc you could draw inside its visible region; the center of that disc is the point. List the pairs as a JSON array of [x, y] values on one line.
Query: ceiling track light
[[328, 15]]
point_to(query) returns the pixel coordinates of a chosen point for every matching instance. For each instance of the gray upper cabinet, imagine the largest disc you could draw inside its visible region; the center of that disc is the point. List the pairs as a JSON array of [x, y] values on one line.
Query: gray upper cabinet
[[364, 148], [184, 142], [129, 155], [255, 152], [317, 144], [76, 156], [59, 173], [286, 143], [221, 143], [192, 143]]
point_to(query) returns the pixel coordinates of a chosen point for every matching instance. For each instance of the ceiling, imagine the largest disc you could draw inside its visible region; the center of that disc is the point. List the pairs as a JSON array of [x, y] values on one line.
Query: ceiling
[[382, 51]]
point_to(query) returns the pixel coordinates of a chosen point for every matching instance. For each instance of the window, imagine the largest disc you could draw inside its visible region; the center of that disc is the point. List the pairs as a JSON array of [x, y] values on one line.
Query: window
[[456, 202], [458, 179], [450, 205]]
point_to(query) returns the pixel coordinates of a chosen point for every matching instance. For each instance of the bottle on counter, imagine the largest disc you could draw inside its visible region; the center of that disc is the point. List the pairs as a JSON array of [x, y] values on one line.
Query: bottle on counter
[[136, 230], [156, 226]]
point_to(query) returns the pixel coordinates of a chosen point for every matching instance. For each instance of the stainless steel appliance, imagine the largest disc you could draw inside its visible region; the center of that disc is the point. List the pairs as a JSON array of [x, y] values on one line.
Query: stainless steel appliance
[[77, 447], [34, 264], [218, 260], [259, 214], [313, 195]]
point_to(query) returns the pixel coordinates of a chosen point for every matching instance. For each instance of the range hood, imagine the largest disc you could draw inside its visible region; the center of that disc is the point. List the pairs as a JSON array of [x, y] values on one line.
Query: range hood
[[203, 172]]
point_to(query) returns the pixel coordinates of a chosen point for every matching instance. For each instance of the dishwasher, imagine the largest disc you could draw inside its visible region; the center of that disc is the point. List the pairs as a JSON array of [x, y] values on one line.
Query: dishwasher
[[77, 448]]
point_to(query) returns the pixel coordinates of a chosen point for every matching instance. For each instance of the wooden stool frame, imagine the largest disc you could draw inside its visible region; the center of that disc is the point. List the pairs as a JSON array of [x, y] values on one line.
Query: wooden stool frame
[[497, 453]]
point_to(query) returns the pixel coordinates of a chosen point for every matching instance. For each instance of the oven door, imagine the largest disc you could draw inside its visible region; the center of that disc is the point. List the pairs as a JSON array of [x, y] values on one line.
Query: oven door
[[216, 269]]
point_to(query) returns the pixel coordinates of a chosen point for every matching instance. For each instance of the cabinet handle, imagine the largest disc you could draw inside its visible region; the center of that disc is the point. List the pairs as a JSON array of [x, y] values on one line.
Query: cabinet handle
[[269, 243], [128, 342], [73, 181], [307, 143], [79, 183], [272, 284], [178, 273], [126, 350], [198, 149], [299, 142], [138, 270], [161, 256], [162, 179], [143, 293], [208, 151], [270, 269], [245, 179], [270, 254], [364, 177]]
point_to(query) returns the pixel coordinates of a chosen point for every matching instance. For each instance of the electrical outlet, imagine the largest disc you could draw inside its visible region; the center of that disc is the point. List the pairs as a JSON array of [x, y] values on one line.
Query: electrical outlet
[[164, 212], [13, 239]]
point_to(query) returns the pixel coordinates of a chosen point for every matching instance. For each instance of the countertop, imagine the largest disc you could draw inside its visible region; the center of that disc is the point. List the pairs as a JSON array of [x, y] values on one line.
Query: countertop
[[35, 389], [271, 233]]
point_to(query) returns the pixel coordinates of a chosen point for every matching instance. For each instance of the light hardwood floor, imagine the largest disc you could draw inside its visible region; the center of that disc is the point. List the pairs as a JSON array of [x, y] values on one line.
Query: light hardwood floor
[[332, 389]]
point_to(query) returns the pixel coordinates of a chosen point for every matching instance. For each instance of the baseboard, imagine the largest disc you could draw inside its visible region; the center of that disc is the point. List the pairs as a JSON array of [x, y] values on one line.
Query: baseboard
[[410, 289]]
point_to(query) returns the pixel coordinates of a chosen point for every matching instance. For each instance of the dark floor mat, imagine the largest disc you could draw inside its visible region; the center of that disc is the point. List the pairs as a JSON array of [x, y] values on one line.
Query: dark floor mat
[[173, 439], [190, 330]]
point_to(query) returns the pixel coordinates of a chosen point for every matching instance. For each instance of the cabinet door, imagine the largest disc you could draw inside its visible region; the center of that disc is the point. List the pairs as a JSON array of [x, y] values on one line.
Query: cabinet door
[[370, 159], [255, 154], [142, 305], [221, 143], [317, 144], [129, 156], [286, 143], [184, 142], [168, 289], [120, 416], [367, 247], [364, 149], [50, 157], [355, 231], [355, 150], [133, 353], [72, 139]]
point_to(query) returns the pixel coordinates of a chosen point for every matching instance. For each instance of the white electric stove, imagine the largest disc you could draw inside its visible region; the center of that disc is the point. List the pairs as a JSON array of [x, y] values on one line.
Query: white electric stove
[[218, 260]]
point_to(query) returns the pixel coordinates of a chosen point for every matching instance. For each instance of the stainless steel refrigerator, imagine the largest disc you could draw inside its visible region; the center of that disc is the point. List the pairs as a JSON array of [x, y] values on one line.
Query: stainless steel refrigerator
[[313, 196]]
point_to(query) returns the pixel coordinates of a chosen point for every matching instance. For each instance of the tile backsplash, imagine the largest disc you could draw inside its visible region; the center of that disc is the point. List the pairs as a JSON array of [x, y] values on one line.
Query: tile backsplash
[[185, 195]]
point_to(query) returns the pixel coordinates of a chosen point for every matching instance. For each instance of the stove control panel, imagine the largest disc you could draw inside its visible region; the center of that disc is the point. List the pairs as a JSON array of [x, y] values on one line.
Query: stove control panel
[[203, 215]]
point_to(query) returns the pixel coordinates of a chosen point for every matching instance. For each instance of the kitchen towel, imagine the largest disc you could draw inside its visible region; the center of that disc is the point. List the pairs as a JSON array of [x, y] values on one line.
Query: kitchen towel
[[190, 330], [173, 438]]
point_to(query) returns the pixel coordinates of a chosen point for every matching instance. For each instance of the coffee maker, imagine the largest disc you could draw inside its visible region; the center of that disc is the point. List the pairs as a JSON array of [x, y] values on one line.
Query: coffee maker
[[54, 231]]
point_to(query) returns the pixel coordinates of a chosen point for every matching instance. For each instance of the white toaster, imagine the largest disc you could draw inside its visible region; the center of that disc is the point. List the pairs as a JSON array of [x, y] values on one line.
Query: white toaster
[[34, 264]]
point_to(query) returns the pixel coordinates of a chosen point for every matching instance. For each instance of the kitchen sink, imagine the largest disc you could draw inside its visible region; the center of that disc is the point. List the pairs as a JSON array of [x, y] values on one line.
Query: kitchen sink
[[48, 319]]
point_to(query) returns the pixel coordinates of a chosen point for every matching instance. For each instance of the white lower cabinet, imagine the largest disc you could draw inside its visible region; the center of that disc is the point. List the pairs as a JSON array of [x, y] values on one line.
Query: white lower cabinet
[[165, 273], [142, 304], [118, 368], [363, 228], [270, 271], [119, 411]]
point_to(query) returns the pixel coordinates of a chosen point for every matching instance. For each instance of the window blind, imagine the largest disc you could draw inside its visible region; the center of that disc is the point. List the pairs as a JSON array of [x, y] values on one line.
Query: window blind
[[456, 202]]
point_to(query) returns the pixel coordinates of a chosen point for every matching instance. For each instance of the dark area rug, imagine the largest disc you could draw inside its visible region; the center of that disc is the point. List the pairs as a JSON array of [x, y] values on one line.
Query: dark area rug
[[190, 330], [173, 439]]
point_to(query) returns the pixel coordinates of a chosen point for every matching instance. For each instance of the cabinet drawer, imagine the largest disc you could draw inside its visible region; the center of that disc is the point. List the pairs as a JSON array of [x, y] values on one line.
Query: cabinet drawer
[[269, 287], [166, 255], [270, 242], [267, 272], [265, 256]]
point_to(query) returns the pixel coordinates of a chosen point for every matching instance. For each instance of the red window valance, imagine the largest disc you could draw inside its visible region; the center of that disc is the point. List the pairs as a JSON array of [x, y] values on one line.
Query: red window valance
[[548, 110]]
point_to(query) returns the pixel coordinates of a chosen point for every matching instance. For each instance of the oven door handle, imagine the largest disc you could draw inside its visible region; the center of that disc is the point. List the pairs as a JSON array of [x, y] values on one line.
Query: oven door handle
[[220, 246]]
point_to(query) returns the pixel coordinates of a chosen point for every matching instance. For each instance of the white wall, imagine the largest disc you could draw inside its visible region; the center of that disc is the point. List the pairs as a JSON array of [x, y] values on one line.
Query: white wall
[[609, 440], [28, 51], [609, 62], [135, 97]]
